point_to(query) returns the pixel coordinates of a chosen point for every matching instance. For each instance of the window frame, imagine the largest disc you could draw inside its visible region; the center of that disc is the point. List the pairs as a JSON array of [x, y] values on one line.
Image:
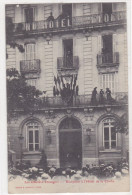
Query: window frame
[[34, 14], [109, 80], [27, 136], [109, 120], [29, 55]]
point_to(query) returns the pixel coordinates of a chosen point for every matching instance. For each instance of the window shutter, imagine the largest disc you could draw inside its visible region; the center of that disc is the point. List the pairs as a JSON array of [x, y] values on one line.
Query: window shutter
[[99, 44], [99, 8], [114, 43]]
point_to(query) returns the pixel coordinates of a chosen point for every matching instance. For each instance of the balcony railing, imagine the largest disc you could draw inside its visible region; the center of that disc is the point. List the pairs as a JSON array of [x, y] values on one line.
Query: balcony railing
[[108, 58], [30, 66], [71, 62], [70, 23], [118, 98]]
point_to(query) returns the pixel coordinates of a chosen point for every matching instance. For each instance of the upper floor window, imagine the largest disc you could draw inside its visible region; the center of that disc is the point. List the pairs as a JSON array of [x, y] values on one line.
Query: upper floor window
[[67, 9], [107, 49], [108, 81], [29, 18], [109, 134], [29, 14], [68, 52], [33, 136], [30, 51], [107, 11], [66, 15]]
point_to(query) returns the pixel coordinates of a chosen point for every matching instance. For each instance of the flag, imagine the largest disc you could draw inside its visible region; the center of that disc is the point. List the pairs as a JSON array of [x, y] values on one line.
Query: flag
[[77, 89], [71, 81], [55, 80], [58, 79], [62, 81]]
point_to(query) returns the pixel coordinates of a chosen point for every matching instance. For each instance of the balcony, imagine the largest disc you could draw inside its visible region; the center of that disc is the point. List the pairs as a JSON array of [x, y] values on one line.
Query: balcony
[[108, 62], [69, 63], [81, 101], [30, 66], [74, 23], [108, 59]]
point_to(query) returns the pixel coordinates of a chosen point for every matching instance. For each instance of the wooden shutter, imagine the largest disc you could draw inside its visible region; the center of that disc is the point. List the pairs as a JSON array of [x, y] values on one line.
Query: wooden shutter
[[99, 44]]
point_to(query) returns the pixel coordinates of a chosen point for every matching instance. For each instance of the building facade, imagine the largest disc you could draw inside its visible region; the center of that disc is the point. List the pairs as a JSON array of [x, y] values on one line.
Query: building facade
[[79, 47]]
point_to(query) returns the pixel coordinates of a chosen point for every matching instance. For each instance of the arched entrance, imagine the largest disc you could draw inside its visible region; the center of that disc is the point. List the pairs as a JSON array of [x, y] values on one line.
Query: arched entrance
[[70, 143]]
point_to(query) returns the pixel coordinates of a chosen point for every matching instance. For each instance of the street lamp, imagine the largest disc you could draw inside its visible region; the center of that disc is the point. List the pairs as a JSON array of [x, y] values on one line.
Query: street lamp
[[21, 141]]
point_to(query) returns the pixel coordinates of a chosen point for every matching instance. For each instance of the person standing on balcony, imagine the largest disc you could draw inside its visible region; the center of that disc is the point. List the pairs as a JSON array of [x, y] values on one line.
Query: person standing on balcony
[[93, 98], [108, 95], [69, 59], [101, 97]]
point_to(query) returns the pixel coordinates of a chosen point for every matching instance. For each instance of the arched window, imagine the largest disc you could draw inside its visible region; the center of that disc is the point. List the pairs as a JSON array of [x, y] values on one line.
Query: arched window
[[109, 134], [33, 136]]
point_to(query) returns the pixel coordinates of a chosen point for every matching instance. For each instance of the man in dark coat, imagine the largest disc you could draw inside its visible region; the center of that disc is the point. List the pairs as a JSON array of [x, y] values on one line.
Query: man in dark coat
[[94, 99]]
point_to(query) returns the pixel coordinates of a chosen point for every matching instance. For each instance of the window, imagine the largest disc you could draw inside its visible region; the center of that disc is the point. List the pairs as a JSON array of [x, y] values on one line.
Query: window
[[67, 9], [107, 49], [30, 51], [107, 11], [67, 15], [109, 134], [29, 17], [33, 136], [68, 52], [108, 81]]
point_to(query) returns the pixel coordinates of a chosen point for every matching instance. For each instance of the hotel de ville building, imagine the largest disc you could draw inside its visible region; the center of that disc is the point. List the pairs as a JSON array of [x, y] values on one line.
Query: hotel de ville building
[[76, 54]]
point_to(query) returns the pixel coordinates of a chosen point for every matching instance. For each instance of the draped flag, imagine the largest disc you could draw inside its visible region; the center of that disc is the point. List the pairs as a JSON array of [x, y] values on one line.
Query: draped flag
[[66, 87]]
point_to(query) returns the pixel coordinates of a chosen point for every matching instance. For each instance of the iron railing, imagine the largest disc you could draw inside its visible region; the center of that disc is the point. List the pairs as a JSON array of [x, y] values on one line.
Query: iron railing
[[69, 62], [29, 66], [68, 23], [108, 58], [119, 98]]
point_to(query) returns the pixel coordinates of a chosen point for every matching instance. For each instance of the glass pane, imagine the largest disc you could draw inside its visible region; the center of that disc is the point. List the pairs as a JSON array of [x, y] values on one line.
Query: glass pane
[[106, 133], [113, 133], [30, 127], [30, 136], [36, 147], [105, 124], [113, 144], [106, 144], [36, 126], [36, 137], [30, 147]]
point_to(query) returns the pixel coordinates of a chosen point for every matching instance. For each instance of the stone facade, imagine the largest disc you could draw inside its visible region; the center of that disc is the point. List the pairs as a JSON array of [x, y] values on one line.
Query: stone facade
[[87, 44]]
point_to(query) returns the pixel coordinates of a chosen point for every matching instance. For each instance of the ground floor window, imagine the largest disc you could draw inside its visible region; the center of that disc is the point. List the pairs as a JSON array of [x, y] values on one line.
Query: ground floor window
[[109, 134], [33, 136]]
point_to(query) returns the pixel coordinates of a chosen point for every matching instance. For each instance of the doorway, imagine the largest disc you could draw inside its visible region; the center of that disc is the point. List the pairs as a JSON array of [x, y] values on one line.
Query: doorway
[[70, 143]]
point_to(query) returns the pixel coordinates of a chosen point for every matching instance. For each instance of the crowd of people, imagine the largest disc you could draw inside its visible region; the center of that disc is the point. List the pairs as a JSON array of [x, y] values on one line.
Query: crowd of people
[[104, 97], [90, 172]]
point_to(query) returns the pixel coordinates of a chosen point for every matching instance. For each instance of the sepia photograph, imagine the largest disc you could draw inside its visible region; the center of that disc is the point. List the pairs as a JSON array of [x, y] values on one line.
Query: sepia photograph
[[67, 97]]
